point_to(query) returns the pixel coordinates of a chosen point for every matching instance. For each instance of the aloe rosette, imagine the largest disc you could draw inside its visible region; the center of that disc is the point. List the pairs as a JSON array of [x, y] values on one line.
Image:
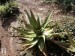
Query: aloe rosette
[[39, 32]]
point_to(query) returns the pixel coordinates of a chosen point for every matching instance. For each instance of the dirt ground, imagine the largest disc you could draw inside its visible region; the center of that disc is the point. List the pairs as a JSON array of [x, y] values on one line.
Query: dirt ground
[[39, 8]]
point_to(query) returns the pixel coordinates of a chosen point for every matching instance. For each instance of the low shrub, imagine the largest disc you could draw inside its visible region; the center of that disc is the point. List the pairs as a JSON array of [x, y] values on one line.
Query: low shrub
[[8, 8]]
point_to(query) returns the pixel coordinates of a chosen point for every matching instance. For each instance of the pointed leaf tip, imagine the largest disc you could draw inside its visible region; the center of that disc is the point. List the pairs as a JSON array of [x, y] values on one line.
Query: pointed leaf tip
[[47, 20]]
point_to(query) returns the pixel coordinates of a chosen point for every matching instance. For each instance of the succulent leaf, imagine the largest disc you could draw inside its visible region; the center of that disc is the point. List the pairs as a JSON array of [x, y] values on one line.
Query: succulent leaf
[[71, 48], [20, 30], [41, 44], [32, 21], [33, 18], [48, 31], [38, 24], [46, 21], [71, 42]]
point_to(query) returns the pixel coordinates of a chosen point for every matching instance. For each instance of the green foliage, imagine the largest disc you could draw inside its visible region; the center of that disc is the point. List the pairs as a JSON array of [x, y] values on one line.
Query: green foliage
[[40, 32], [71, 42], [8, 8], [2, 9]]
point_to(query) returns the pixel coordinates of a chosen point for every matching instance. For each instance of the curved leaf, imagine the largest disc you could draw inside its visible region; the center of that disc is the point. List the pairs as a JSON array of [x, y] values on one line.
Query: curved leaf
[[41, 44], [46, 20], [32, 20], [71, 48], [72, 42], [20, 30], [31, 43]]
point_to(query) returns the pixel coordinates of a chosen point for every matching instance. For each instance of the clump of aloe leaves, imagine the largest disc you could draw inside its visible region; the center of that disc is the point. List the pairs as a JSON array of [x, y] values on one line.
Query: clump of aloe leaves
[[40, 32]]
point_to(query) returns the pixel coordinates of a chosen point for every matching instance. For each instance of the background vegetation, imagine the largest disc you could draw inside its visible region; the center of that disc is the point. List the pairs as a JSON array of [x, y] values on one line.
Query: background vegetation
[[65, 5]]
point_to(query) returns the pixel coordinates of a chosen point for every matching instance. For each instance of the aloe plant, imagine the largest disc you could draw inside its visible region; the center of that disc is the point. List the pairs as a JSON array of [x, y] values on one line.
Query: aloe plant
[[71, 42], [39, 32]]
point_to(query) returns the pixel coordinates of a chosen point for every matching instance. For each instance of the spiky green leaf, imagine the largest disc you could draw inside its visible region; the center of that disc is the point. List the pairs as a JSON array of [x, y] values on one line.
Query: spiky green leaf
[[38, 24], [41, 44], [31, 43], [71, 48], [46, 21], [20, 30], [32, 21], [26, 24], [33, 17], [31, 35]]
